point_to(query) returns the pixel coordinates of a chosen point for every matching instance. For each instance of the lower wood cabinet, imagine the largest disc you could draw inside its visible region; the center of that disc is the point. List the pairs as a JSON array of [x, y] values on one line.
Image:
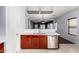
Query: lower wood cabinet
[[42, 41], [25, 42], [33, 41], [2, 48]]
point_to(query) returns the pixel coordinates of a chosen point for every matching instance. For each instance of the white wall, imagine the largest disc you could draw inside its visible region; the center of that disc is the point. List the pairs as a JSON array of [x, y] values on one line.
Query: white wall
[[15, 25], [62, 25], [15, 17], [2, 23]]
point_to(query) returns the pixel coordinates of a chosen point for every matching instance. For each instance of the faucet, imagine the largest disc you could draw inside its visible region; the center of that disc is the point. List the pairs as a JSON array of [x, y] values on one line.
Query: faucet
[[39, 31]]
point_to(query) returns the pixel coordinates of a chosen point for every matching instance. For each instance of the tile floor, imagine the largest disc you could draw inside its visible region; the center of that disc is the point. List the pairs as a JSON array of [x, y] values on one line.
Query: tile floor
[[64, 48]]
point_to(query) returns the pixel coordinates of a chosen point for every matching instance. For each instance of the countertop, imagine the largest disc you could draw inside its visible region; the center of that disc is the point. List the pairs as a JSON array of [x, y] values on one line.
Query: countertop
[[49, 34], [1, 41]]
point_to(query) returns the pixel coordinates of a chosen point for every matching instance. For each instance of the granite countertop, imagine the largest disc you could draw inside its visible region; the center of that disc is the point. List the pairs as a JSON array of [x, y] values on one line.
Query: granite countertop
[[50, 34]]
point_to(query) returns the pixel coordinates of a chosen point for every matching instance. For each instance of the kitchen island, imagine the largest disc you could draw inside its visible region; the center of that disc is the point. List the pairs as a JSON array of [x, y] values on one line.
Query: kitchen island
[[39, 41]]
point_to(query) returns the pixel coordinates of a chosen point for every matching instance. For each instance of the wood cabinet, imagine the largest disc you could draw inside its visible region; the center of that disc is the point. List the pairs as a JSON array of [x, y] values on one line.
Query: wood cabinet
[[25, 41], [42, 41], [2, 48], [33, 41]]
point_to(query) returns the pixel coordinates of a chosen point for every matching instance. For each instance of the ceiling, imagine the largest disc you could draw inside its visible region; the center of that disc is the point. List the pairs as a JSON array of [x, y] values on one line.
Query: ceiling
[[57, 11]]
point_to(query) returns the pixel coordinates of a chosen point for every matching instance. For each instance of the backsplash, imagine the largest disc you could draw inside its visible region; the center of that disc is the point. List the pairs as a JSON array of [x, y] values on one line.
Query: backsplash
[[42, 31]]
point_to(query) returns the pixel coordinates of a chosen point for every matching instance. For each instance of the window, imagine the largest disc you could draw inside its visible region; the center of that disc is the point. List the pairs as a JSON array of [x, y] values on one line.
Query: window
[[72, 26]]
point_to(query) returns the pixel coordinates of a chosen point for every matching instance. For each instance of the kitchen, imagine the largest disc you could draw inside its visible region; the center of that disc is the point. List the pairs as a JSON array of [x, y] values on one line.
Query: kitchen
[[37, 23], [41, 32]]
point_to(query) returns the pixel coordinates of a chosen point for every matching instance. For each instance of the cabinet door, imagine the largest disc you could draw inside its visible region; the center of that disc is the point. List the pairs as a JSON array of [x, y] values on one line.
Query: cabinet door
[[35, 42], [25, 41], [2, 48], [42, 42]]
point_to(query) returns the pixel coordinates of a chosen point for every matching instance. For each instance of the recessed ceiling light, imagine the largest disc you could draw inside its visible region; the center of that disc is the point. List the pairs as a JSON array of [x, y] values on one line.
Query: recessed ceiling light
[[43, 22]]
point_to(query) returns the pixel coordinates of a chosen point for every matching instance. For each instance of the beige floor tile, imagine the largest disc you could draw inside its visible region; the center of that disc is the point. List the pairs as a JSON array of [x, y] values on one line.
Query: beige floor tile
[[64, 48]]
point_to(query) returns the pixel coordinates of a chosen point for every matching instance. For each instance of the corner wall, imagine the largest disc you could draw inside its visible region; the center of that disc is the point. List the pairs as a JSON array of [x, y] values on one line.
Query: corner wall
[[62, 26], [15, 17], [2, 23]]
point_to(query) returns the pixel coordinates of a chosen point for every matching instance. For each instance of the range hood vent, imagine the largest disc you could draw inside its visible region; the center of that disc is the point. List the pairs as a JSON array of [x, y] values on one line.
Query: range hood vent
[[46, 12], [39, 12], [33, 12]]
